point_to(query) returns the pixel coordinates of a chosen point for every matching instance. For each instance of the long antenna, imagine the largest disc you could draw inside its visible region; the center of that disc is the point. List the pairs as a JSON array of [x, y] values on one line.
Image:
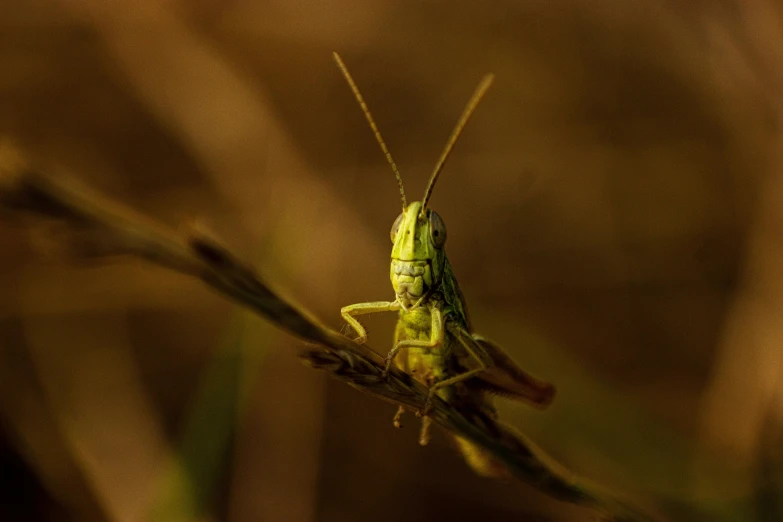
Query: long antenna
[[474, 100], [374, 127]]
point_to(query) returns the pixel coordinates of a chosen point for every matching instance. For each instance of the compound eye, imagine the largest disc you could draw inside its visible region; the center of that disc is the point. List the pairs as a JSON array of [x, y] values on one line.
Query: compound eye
[[437, 229], [396, 227]]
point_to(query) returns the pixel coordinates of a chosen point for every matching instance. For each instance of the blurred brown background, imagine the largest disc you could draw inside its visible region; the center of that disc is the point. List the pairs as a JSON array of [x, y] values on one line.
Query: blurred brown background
[[614, 214]]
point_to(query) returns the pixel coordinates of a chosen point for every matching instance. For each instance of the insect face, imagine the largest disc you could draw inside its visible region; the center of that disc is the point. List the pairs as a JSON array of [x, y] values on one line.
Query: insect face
[[418, 255]]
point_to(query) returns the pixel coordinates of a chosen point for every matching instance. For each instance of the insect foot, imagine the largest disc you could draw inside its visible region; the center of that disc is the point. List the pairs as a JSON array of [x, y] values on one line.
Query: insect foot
[[387, 367], [397, 417], [424, 434], [346, 330], [428, 403]]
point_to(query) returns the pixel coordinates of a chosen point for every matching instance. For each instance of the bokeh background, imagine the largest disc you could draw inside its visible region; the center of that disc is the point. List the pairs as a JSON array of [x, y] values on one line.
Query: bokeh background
[[615, 215]]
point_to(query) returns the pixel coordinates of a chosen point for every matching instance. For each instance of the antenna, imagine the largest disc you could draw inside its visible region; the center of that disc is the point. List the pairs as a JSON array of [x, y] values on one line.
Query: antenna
[[474, 100], [374, 127]]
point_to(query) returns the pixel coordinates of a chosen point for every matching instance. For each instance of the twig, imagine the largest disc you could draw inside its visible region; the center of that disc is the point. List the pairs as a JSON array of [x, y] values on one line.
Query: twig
[[104, 227]]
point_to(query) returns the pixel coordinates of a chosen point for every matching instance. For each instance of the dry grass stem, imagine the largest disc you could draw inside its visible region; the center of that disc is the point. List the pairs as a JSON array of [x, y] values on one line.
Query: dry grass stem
[[103, 227]]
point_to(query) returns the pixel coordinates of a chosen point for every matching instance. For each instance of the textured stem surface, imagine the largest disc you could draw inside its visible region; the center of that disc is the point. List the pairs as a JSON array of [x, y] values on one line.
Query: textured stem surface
[[103, 227]]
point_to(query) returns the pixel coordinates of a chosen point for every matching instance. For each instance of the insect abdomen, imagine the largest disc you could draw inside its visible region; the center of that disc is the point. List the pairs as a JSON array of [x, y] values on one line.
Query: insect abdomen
[[480, 459], [427, 365]]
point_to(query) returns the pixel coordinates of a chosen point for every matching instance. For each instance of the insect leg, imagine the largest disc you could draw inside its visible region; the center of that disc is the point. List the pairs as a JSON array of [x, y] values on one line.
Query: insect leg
[[398, 416], [475, 351], [437, 334], [504, 376], [348, 313], [424, 434]]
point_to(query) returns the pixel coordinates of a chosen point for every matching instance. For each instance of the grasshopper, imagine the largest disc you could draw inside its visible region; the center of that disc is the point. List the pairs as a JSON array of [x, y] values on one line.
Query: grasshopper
[[433, 339]]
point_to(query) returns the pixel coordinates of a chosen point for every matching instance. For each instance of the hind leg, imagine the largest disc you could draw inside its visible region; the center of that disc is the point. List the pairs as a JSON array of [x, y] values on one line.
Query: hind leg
[[444, 381]]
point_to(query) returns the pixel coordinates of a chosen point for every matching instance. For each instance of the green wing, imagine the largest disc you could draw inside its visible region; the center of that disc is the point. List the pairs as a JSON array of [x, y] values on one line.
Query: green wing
[[453, 296], [503, 376]]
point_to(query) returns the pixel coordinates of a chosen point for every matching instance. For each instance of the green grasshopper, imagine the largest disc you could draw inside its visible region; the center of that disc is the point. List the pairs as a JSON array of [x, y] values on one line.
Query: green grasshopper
[[433, 339]]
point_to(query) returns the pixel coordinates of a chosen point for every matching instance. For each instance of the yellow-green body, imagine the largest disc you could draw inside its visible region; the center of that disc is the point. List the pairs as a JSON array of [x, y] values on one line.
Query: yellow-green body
[[433, 341], [426, 364], [423, 281]]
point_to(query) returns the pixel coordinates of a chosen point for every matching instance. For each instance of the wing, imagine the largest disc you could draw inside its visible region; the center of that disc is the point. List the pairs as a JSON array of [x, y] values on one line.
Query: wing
[[506, 378], [503, 376], [453, 295]]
